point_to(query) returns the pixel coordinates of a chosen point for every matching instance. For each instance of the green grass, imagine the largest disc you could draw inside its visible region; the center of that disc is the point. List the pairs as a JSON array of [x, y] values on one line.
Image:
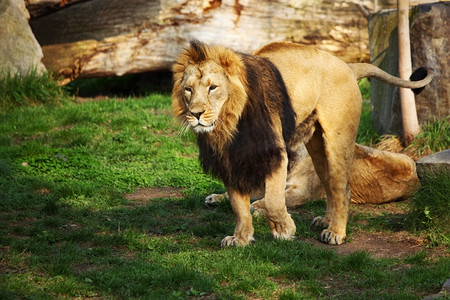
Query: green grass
[[67, 230], [17, 90], [430, 207], [433, 137]]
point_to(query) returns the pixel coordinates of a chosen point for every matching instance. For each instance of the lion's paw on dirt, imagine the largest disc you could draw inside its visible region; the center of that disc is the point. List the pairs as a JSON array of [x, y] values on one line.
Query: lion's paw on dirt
[[232, 240], [329, 237], [320, 222]]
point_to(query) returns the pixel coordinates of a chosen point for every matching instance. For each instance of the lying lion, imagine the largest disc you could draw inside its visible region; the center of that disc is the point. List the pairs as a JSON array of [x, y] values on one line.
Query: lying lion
[[251, 113], [376, 177]]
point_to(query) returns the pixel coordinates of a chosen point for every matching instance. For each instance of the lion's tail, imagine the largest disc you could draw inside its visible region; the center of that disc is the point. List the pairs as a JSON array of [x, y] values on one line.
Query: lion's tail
[[419, 78]]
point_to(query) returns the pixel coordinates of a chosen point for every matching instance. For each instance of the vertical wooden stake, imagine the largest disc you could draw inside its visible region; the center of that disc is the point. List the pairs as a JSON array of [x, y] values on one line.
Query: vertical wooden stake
[[409, 114]]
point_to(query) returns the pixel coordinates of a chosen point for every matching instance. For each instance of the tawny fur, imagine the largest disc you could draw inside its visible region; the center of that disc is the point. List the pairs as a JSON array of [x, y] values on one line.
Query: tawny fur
[[287, 94]]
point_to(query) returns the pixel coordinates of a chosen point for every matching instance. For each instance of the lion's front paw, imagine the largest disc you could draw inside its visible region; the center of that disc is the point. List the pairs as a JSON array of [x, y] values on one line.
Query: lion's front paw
[[329, 237], [214, 199], [320, 222], [232, 240], [284, 230]]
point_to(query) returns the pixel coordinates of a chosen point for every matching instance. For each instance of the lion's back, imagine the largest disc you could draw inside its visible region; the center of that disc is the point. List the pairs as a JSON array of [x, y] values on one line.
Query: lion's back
[[310, 75]]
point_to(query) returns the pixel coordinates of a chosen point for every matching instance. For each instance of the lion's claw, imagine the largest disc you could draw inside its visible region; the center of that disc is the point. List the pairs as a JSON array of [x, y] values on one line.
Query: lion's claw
[[329, 237], [232, 240], [283, 230], [320, 222]]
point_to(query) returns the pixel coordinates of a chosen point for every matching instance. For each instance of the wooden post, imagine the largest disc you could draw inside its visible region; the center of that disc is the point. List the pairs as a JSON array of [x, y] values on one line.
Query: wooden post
[[409, 114]]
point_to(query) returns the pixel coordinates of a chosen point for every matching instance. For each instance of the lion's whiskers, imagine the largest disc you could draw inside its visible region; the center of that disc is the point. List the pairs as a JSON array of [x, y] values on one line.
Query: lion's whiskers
[[183, 128]]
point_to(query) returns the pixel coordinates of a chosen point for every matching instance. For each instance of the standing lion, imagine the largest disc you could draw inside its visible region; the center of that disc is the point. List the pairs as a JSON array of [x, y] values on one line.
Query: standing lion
[[251, 113]]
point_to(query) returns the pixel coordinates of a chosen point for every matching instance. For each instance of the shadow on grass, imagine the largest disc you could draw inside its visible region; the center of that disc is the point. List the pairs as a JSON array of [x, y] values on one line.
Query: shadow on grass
[[83, 252], [58, 243]]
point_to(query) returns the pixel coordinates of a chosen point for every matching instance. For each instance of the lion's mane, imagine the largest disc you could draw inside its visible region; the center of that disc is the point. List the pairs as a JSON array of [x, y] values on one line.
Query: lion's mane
[[244, 148]]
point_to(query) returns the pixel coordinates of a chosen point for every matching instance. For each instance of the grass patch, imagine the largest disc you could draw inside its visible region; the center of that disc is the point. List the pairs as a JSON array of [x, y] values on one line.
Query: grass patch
[[433, 137], [430, 206], [68, 231], [366, 134], [18, 91]]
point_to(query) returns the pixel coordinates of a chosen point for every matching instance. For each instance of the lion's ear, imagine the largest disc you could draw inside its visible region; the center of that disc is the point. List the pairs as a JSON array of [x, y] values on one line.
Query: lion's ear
[[231, 62]]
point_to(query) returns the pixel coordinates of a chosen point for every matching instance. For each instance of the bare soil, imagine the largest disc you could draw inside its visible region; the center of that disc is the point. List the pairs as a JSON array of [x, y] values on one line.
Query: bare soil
[[145, 194], [390, 243], [378, 244]]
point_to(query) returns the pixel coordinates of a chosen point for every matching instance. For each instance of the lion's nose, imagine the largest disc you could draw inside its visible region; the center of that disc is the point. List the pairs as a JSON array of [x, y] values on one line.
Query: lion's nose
[[197, 114]]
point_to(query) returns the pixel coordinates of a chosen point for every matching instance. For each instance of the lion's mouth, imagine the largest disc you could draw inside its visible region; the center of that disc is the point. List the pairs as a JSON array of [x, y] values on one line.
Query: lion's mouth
[[203, 128]]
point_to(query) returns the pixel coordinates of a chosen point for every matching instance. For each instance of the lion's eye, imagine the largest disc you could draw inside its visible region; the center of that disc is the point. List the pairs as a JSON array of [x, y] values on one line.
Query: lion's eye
[[188, 89], [212, 87]]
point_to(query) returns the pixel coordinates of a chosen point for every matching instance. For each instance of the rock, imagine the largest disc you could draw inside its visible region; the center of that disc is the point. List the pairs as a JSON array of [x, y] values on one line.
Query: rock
[[377, 177], [443, 293], [19, 50], [429, 47], [434, 163]]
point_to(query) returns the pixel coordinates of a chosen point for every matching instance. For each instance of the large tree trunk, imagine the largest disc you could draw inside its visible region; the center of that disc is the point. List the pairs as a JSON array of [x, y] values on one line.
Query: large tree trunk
[[115, 37], [409, 114], [38, 8], [430, 46]]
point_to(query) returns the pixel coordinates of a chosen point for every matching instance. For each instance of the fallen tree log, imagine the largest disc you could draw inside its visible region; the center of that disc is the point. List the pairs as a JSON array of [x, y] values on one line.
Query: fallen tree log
[[37, 8], [115, 37]]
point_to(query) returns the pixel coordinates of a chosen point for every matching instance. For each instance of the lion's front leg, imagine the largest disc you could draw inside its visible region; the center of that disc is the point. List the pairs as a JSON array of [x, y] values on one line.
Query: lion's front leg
[[280, 222], [243, 233]]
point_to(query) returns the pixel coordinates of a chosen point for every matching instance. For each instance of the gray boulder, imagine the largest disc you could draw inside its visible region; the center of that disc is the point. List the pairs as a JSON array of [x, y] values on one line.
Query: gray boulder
[[434, 163], [19, 50]]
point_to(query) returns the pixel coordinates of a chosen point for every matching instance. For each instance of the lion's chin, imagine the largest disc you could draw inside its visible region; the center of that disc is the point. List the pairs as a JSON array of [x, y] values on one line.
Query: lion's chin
[[199, 128]]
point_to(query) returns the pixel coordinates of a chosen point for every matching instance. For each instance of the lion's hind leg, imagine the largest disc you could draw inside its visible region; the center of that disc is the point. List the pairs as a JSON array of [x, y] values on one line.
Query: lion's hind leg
[[333, 163], [316, 149]]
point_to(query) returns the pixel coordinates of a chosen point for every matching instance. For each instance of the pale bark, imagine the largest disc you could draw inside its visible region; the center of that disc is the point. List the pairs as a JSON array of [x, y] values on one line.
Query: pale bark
[[115, 37], [409, 114]]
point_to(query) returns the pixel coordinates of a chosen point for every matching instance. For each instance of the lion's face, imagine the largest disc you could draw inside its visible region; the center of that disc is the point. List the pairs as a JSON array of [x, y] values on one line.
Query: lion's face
[[209, 93], [204, 92]]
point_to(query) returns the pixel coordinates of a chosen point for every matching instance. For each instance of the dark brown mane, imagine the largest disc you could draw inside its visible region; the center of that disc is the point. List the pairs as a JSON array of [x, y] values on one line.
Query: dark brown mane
[[255, 151], [198, 51]]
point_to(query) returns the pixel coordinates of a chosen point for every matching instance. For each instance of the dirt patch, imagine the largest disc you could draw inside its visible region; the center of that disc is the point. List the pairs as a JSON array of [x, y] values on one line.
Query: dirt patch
[[378, 244], [145, 194], [394, 243]]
